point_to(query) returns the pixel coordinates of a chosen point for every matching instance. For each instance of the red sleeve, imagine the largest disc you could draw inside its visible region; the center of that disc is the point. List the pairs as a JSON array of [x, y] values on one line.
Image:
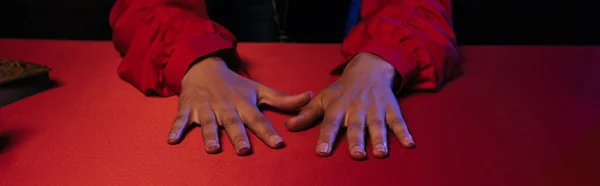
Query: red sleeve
[[161, 39], [414, 36]]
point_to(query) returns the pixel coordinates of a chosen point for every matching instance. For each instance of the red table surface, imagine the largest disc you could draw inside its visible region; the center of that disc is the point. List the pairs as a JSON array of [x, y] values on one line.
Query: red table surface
[[520, 115]]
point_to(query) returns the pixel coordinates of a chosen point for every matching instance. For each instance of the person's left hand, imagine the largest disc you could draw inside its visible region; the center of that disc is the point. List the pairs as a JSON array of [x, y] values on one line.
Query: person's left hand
[[361, 98]]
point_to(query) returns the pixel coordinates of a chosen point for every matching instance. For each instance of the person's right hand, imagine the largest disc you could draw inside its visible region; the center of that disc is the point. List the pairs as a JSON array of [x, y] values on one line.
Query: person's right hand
[[212, 95]]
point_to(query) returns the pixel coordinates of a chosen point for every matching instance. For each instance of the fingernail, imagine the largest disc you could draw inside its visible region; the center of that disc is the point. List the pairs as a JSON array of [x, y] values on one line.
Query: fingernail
[[323, 148], [297, 117], [409, 141], [408, 138], [243, 147], [275, 141], [380, 148], [212, 145], [172, 139], [287, 121], [309, 93], [357, 149]]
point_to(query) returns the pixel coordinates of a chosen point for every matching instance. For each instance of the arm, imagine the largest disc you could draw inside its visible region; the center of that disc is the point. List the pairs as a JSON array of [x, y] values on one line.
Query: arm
[[161, 39], [414, 36]]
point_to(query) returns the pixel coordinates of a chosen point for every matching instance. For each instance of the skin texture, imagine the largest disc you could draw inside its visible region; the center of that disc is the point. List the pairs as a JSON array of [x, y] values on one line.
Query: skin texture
[[214, 96], [360, 99]]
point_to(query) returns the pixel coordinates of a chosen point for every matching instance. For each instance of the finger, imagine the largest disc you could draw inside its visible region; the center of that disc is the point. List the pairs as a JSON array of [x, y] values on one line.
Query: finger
[[377, 132], [236, 132], [207, 121], [259, 125], [397, 124], [280, 100], [329, 130], [178, 127], [355, 134], [307, 117], [191, 98]]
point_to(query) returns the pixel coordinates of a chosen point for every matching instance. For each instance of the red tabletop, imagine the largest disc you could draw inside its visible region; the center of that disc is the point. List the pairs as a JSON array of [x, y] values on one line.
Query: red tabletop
[[518, 116]]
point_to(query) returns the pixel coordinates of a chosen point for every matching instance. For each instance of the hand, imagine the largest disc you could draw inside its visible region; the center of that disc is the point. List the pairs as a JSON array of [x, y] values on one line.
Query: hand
[[361, 97], [212, 96]]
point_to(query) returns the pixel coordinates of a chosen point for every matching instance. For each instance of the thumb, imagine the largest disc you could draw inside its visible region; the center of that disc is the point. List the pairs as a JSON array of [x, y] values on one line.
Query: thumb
[[283, 101]]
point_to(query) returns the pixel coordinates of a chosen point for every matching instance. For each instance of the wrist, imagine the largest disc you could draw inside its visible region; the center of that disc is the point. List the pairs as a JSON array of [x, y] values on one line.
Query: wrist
[[204, 68], [209, 63], [370, 65]]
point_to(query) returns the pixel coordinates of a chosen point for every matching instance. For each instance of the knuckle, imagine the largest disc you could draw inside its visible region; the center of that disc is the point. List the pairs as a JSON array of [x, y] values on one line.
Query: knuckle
[[262, 130], [224, 111], [355, 125], [230, 121], [312, 110], [202, 110], [354, 140], [206, 120], [191, 95], [357, 106], [398, 128], [180, 118], [308, 110], [177, 125], [256, 119], [375, 122], [396, 120], [227, 117], [184, 100], [332, 88], [179, 122], [331, 123], [200, 116], [378, 133], [328, 90]]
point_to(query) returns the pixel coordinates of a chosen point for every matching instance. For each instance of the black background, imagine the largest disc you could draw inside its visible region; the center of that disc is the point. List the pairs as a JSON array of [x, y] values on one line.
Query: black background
[[515, 22]]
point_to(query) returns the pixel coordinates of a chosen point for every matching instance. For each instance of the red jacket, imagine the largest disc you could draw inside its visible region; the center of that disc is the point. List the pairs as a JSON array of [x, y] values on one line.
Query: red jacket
[[162, 38]]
